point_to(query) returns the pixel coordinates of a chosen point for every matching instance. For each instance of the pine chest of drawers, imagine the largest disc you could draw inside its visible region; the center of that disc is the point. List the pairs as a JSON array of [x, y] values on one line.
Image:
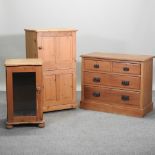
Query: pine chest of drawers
[[117, 83]]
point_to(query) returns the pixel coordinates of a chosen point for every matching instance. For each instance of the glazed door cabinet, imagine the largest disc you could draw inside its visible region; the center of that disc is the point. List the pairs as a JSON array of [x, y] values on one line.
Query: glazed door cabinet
[[24, 92], [57, 49]]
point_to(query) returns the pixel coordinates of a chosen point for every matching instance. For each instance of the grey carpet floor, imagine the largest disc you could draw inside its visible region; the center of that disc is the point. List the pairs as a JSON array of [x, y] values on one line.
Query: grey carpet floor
[[80, 132]]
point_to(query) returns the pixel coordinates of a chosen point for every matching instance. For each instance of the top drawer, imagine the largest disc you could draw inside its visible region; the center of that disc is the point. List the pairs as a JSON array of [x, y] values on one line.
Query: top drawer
[[125, 67], [97, 65]]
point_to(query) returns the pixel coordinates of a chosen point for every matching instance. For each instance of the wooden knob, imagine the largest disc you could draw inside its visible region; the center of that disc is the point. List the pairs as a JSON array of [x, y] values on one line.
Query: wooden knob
[[39, 47]]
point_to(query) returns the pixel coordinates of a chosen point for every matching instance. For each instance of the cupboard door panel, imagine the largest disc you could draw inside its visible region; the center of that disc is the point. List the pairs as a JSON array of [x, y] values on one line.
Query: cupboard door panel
[[64, 49], [47, 52], [49, 88], [66, 86]]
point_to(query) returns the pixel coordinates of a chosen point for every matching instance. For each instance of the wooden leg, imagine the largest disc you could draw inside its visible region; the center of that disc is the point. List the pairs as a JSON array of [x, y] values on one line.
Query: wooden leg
[[41, 125], [9, 126]]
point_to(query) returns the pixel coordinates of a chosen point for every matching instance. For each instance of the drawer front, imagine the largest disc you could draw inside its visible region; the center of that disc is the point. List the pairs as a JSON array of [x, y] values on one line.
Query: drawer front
[[127, 68], [112, 96], [93, 93], [93, 78], [119, 81], [97, 65]]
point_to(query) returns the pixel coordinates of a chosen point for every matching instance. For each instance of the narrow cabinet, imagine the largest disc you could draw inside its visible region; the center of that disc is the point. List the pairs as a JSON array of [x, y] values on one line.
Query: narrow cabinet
[[24, 92], [57, 49]]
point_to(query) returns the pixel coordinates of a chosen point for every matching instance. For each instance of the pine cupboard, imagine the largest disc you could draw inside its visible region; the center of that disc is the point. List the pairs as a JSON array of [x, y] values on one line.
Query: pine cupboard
[[24, 92], [57, 49], [117, 83]]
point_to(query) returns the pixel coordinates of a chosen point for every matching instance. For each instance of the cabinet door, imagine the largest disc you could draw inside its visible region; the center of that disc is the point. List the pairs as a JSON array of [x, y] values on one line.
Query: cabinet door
[[50, 96], [24, 95], [64, 51], [67, 87], [46, 51]]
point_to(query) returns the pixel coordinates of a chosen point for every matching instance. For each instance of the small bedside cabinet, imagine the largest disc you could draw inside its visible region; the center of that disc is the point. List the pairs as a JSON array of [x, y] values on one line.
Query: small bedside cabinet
[[117, 83], [24, 92]]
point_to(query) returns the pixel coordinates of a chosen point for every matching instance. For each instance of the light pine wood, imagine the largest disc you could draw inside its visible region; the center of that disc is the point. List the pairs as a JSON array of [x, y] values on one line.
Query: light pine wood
[[146, 83], [112, 80], [112, 96], [50, 95], [52, 29], [31, 44], [25, 67], [104, 66], [46, 51], [23, 62], [129, 68], [57, 49], [113, 108], [116, 56], [107, 93]]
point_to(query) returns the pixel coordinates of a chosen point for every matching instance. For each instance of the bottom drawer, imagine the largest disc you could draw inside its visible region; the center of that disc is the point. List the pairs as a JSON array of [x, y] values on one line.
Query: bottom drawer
[[112, 96]]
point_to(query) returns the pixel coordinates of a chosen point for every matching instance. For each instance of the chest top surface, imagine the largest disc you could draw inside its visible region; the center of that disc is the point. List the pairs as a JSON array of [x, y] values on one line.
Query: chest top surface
[[23, 62], [51, 30], [116, 56]]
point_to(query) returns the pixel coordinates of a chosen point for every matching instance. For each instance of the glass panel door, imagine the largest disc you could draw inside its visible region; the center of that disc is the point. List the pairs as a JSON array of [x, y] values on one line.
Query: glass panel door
[[24, 94]]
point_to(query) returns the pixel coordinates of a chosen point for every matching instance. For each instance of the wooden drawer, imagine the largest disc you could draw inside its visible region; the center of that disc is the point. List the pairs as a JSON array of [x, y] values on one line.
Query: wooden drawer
[[125, 67], [93, 78], [112, 96], [119, 81], [93, 93], [97, 65]]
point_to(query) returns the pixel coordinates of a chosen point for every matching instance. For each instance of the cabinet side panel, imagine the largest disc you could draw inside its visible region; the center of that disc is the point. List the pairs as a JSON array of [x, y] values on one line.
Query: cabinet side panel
[[146, 83], [31, 44], [9, 91], [74, 46], [39, 86]]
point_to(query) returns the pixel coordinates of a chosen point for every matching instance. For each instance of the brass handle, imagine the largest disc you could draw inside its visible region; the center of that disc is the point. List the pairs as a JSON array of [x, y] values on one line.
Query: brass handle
[[96, 94], [96, 66], [126, 69], [125, 83], [125, 98], [96, 79]]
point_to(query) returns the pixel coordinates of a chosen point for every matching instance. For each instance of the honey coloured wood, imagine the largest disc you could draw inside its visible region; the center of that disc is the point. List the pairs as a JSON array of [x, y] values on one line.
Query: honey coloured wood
[[124, 87], [57, 49], [24, 92]]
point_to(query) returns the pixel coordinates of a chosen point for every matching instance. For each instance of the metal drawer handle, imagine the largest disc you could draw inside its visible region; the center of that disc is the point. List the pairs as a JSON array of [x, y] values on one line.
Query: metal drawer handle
[[96, 66], [96, 94], [125, 83], [125, 98], [96, 79], [126, 69]]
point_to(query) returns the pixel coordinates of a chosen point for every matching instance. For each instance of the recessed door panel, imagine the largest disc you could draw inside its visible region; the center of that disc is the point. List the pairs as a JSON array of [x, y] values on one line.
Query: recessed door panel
[[47, 52], [66, 86], [64, 50], [49, 88]]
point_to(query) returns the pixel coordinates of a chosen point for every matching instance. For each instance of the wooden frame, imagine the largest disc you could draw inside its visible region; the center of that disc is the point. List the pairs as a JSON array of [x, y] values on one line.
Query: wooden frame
[[23, 66]]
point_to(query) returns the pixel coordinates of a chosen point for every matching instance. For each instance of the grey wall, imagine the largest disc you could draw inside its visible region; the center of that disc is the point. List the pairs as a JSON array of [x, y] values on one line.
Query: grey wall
[[121, 26]]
